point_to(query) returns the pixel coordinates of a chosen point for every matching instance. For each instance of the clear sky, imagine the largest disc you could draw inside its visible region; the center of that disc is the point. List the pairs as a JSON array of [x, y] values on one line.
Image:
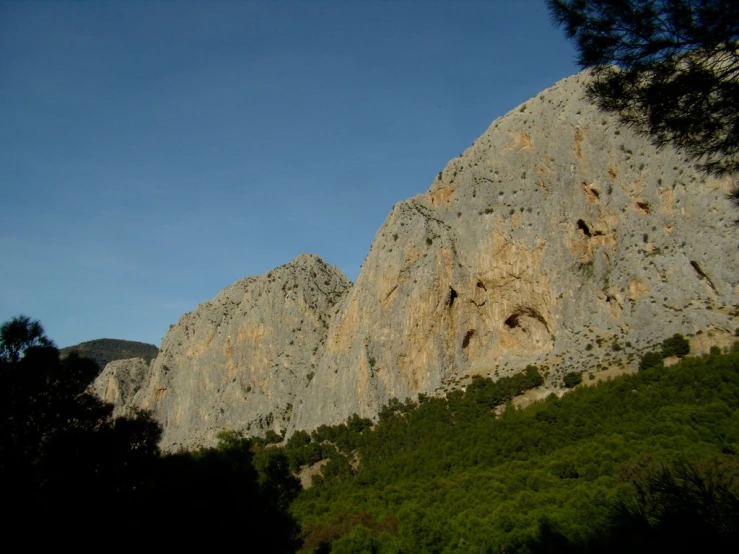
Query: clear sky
[[152, 153]]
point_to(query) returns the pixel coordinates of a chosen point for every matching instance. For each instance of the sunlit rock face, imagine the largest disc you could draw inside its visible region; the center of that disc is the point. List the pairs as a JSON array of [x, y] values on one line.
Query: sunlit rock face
[[557, 229], [238, 361], [119, 382], [556, 239]]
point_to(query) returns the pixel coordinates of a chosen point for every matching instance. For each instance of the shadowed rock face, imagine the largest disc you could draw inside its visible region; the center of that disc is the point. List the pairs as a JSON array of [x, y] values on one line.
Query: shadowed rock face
[[557, 229]]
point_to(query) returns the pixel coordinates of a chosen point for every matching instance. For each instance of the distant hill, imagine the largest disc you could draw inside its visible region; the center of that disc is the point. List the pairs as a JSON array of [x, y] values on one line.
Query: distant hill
[[104, 351]]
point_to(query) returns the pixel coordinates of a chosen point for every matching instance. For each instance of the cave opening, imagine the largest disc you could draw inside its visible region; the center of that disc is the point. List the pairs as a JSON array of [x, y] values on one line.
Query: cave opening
[[452, 297], [583, 227], [467, 337], [512, 321]]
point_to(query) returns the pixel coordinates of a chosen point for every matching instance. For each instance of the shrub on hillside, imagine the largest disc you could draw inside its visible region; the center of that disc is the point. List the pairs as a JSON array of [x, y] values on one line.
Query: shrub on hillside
[[572, 379], [677, 345], [650, 360]]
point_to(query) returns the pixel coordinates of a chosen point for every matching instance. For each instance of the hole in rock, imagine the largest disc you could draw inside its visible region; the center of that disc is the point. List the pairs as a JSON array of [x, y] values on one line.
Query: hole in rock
[[468, 336], [583, 227], [512, 321], [643, 207], [481, 286], [528, 329], [452, 297]]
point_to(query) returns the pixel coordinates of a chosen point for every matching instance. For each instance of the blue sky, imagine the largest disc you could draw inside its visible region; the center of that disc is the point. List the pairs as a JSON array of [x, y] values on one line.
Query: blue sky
[[152, 153]]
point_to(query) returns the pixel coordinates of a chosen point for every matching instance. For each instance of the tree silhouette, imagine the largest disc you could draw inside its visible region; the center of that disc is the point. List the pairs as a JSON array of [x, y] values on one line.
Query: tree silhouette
[[70, 472], [63, 457], [676, 72], [19, 334]]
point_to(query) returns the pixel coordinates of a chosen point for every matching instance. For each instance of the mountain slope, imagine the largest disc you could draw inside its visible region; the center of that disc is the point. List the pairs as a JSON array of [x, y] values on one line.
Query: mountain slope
[[238, 361], [558, 233], [557, 229]]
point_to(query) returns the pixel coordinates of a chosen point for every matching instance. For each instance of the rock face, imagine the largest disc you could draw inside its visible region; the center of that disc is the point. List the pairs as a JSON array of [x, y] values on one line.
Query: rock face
[[557, 229], [556, 238], [119, 382], [238, 361]]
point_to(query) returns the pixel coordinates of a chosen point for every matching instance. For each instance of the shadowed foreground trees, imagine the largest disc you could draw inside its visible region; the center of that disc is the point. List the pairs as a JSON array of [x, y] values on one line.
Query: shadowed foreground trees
[[19, 334], [70, 473], [63, 457], [686, 508]]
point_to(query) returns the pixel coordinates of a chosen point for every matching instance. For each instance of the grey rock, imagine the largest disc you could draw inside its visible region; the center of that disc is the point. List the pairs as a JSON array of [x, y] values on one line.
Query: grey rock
[[556, 237], [119, 382], [237, 362], [557, 229]]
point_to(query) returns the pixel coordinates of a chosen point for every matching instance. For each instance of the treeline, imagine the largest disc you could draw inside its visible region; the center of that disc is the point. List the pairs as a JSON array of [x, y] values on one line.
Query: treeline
[[104, 351]]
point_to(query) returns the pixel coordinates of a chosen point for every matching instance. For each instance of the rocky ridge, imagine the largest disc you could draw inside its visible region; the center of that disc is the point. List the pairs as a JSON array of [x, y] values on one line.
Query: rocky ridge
[[238, 361], [558, 237]]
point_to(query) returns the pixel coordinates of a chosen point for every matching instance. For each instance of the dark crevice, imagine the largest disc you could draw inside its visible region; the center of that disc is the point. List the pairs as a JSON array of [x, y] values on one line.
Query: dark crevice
[[481, 286], [512, 321], [583, 227], [452, 297], [702, 274], [468, 336]]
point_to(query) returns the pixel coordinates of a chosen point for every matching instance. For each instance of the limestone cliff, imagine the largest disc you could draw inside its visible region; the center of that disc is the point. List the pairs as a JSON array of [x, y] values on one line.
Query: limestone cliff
[[557, 236], [119, 382], [238, 361]]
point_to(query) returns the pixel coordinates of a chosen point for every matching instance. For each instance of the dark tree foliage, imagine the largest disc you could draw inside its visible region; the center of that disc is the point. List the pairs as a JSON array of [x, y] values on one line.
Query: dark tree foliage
[[669, 68], [63, 458], [572, 379], [214, 495], [682, 509], [19, 334], [104, 351], [676, 345], [651, 360], [71, 474], [685, 508]]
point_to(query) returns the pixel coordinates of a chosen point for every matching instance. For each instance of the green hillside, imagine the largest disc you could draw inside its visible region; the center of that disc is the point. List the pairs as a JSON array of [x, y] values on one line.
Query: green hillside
[[644, 463], [447, 475]]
